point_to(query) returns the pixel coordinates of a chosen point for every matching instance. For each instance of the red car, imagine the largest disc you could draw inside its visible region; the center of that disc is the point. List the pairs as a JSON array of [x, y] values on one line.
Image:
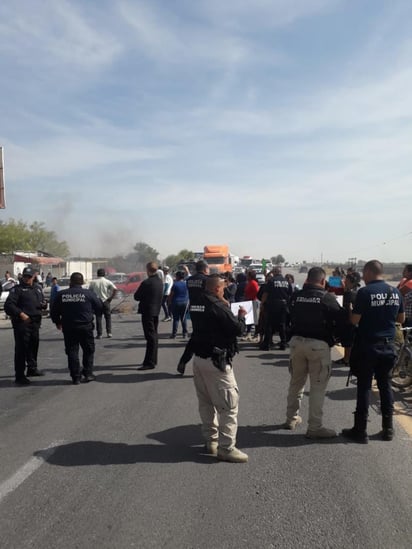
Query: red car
[[129, 283]]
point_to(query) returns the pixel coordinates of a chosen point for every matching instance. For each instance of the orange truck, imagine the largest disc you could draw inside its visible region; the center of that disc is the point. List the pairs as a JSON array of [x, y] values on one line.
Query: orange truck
[[218, 258]]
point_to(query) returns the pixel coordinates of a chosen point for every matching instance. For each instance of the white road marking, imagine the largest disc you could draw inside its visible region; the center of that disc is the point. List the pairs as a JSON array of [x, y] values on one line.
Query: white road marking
[[26, 470]]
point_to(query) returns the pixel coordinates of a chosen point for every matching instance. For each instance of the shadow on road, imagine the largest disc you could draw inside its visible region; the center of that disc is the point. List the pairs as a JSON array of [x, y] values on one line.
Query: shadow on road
[[178, 444], [346, 393], [147, 375], [35, 382]]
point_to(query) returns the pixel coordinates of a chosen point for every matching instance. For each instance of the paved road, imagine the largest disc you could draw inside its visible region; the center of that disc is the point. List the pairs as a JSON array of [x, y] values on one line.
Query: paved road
[[117, 463]]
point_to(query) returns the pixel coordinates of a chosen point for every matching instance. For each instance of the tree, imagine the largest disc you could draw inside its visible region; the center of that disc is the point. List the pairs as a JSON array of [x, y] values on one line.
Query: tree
[[42, 239], [145, 253], [277, 259], [16, 235], [183, 255]]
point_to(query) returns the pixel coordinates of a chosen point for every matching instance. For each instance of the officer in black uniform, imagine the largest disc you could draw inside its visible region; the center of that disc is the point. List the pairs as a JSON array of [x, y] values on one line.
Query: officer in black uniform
[[275, 301], [72, 311], [316, 319], [24, 305], [196, 287], [214, 345], [378, 306]]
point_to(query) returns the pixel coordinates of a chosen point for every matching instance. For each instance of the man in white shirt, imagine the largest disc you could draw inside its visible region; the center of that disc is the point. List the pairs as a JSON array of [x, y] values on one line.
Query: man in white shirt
[[168, 283], [105, 291]]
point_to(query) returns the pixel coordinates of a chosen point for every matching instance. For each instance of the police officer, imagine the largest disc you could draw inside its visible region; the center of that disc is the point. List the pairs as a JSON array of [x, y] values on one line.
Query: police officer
[[316, 317], [214, 345], [275, 300], [24, 305], [72, 311], [378, 306], [196, 287]]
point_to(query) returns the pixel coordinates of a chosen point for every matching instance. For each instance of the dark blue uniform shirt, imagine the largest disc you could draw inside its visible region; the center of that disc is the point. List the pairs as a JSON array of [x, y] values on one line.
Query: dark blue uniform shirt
[[379, 304], [75, 306]]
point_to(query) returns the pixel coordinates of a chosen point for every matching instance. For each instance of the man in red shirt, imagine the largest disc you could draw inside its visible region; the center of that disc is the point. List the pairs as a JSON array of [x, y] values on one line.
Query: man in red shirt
[[405, 287], [251, 291]]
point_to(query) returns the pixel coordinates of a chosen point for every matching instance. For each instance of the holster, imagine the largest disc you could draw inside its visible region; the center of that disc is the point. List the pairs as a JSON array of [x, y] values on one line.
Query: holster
[[219, 358]]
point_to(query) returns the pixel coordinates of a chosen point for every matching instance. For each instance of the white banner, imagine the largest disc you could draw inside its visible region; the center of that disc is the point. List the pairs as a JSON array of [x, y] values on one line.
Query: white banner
[[252, 308]]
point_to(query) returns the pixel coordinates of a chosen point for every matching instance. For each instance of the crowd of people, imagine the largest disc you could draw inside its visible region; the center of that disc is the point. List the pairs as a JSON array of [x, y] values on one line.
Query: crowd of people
[[310, 321]]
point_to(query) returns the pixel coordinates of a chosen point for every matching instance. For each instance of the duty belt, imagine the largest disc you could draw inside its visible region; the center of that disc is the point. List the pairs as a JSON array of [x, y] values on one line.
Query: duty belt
[[385, 340]]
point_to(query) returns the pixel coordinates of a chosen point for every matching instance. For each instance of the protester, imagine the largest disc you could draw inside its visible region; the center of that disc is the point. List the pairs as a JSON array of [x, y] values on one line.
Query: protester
[[150, 296], [378, 306], [8, 282], [231, 288], [105, 290], [167, 288], [179, 303], [405, 287], [72, 311], [251, 292], [241, 282], [351, 285], [55, 289]]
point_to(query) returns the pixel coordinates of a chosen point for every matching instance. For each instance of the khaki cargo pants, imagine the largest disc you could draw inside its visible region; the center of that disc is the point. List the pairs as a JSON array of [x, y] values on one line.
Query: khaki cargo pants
[[218, 397], [308, 357]]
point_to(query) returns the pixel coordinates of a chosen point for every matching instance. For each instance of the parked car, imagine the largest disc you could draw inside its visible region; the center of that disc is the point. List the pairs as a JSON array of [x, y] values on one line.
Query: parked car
[[130, 285], [117, 278]]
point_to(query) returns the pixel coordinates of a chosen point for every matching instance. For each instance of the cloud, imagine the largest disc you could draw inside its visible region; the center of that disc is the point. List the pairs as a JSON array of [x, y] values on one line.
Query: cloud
[[166, 36], [65, 156], [55, 35], [263, 13]]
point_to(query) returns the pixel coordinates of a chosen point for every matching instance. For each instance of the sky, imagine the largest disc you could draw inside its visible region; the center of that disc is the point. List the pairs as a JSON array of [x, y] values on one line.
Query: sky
[[273, 126]]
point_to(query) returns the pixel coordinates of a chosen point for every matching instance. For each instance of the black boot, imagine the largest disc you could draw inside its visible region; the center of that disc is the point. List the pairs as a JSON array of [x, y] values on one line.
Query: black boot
[[387, 428], [358, 432]]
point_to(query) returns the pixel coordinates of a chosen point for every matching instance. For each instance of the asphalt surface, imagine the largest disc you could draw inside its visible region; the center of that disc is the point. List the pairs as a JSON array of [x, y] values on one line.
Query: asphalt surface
[[118, 463]]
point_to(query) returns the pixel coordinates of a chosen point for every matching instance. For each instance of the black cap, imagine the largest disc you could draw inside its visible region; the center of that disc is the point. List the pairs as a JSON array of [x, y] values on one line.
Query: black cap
[[28, 271]]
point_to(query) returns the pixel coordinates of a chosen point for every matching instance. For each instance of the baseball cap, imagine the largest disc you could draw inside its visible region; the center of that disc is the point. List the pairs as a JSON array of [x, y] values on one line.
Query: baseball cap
[[28, 271]]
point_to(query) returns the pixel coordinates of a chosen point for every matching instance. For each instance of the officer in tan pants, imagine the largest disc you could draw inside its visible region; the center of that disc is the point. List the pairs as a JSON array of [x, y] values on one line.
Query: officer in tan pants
[[315, 317], [214, 345]]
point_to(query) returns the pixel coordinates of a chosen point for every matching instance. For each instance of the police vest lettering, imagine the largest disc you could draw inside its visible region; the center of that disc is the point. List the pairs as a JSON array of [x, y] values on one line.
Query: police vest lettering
[[73, 298], [197, 308], [302, 299], [196, 283], [280, 284], [379, 300]]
